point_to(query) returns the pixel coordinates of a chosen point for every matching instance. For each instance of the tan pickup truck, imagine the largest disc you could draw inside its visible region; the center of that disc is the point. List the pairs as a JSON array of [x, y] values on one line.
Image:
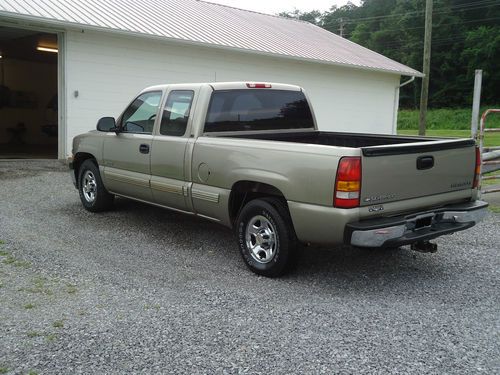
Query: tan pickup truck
[[250, 156]]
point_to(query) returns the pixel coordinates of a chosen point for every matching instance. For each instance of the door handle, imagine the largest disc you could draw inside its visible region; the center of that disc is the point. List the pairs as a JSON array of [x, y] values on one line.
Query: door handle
[[144, 149]]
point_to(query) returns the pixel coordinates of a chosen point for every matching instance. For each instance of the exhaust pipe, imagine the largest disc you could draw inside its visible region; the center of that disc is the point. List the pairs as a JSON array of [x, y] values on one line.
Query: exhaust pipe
[[424, 247]]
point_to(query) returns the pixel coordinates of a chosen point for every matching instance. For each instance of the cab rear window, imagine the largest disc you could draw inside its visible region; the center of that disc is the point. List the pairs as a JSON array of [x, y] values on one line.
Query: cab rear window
[[260, 109]]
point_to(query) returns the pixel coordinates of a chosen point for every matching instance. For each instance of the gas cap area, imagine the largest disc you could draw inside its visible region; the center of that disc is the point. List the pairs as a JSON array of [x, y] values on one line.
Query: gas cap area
[[203, 172]]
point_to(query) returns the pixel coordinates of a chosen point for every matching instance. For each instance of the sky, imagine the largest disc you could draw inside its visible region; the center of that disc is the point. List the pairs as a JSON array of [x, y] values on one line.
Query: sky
[[276, 6]]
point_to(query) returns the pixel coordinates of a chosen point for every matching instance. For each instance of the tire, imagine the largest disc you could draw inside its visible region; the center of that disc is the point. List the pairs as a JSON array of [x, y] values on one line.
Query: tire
[[266, 237], [93, 194]]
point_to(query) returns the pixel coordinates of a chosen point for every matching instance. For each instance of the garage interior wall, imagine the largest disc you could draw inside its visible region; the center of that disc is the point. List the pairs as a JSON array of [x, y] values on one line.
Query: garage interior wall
[[35, 78], [105, 71]]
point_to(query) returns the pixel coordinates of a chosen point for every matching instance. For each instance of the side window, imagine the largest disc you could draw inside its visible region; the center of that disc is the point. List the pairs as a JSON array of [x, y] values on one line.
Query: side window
[[176, 113], [140, 116]]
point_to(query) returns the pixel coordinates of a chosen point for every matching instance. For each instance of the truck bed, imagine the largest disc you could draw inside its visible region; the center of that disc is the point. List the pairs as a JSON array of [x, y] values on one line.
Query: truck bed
[[396, 168]]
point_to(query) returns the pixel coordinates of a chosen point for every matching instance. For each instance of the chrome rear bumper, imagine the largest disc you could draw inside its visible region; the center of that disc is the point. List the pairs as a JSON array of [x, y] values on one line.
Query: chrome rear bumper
[[422, 226]]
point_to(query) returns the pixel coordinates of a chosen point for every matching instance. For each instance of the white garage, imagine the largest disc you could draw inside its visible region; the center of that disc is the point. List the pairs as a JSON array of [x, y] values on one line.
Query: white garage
[[64, 64]]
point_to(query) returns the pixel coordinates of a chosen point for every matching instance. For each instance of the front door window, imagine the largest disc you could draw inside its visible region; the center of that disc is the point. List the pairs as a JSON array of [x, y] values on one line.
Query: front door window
[[140, 116]]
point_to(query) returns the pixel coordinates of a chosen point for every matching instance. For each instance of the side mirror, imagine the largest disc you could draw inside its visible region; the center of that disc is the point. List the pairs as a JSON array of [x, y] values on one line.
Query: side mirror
[[106, 124]]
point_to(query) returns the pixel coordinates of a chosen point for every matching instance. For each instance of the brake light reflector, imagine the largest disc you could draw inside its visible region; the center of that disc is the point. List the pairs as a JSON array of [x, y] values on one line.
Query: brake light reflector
[[477, 169], [348, 183], [259, 85]]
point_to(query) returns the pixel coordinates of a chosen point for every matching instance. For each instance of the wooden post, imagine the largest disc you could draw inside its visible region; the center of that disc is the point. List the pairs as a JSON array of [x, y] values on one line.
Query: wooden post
[[424, 95]]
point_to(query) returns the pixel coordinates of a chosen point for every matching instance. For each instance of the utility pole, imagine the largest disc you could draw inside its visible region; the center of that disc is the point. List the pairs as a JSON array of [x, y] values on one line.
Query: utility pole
[[424, 95], [341, 27]]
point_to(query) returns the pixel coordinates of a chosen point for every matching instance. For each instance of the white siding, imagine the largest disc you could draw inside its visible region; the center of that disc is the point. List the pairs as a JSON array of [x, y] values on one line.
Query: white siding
[[108, 70]]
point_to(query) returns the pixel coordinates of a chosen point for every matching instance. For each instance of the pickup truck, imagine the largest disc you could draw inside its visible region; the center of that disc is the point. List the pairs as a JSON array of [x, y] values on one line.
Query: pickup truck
[[250, 156]]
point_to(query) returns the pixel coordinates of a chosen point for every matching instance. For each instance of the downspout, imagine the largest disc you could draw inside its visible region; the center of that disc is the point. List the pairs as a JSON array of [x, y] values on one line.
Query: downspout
[[396, 104], [407, 82]]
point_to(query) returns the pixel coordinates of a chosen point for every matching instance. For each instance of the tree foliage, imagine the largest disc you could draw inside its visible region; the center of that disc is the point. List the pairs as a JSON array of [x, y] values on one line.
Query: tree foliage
[[465, 37]]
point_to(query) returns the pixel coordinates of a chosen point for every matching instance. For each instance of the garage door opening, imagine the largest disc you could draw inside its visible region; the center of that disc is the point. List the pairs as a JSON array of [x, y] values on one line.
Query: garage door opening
[[28, 94]]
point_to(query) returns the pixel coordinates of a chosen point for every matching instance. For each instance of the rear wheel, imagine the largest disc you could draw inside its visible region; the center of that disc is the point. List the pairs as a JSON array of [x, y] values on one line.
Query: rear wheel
[[93, 194], [266, 238]]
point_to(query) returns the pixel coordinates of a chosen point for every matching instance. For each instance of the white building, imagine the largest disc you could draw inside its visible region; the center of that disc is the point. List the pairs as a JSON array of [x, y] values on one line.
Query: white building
[[92, 56]]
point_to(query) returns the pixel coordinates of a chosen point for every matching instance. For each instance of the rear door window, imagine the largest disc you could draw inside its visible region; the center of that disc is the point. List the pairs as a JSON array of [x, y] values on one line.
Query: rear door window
[[260, 109], [176, 113]]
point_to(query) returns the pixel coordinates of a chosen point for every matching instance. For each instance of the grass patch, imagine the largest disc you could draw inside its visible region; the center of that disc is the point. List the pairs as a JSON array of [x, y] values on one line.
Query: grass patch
[[50, 337], [16, 262], [3, 253], [492, 139], [4, 370], [495, 209], [33, 334], [156, 307], [45, 291], [491, 182], [29, 306], [32, 372], [9, 260], [445, 118], [39, 287], [71, 289], [58, 324]]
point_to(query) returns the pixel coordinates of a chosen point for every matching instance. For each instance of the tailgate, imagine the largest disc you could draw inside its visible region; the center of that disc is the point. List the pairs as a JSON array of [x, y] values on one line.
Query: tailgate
[[397, 172]]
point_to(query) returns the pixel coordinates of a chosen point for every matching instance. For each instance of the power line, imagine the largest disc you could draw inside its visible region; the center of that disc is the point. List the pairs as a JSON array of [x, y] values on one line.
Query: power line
[[445, 24], [462, 7], [358, 20], [411, 44]]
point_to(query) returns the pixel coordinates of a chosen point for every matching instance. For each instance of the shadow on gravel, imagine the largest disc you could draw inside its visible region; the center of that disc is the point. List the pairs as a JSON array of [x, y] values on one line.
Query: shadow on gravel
[[340, 266]]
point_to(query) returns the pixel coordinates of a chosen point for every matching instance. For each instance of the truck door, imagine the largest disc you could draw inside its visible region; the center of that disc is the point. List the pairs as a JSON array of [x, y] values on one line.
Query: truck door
[[168, 173], [127, 155]]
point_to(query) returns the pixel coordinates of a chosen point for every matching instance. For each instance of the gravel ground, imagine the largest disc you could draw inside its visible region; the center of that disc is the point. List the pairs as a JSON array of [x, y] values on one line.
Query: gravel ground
[[142, 289]]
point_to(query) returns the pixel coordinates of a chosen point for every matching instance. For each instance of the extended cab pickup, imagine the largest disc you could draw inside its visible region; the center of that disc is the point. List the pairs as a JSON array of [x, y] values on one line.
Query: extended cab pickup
[[250, 156]]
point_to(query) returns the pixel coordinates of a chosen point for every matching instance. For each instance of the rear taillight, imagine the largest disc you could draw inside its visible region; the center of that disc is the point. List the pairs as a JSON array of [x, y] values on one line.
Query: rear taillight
[[477, 169], [348, 183]]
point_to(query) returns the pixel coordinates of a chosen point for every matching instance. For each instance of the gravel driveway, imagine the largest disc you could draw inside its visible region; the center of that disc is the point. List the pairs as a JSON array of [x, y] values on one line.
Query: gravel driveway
[[142, 289]]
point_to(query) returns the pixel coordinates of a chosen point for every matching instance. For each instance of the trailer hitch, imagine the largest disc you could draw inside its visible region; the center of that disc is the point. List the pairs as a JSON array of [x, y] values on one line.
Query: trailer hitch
[[424, 247]]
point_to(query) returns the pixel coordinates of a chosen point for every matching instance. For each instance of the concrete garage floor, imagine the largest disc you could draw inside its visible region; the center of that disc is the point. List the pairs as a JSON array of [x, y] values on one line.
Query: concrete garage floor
[[142, 289]]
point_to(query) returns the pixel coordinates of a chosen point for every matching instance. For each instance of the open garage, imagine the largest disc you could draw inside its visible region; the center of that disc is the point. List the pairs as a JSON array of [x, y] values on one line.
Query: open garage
[[28, 93]]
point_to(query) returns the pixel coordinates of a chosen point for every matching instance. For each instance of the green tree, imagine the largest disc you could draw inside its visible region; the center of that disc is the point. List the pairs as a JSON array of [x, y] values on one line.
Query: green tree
[[466, 36]]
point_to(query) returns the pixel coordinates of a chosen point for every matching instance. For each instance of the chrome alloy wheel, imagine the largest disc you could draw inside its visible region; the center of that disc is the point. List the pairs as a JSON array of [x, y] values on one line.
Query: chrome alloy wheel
[[261, 239], [89, 186]]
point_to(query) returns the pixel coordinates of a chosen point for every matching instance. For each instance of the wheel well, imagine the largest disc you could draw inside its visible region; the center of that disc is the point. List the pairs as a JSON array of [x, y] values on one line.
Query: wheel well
[[78, 159], [245, 191]]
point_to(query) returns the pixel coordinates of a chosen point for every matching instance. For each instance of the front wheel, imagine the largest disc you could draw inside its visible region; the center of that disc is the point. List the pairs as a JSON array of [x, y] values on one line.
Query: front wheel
[[93, 194], [266, 237]]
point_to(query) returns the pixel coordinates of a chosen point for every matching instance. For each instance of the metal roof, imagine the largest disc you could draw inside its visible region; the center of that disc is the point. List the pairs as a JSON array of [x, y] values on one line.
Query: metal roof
[[205, 23]]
